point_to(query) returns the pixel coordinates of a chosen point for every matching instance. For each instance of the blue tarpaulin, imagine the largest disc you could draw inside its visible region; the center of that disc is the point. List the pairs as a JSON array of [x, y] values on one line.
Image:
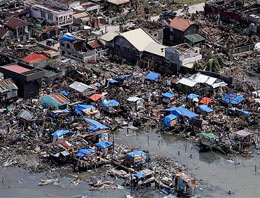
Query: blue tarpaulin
[[104, 145], [233, 99], [135, 153], [205, 108], [192, 96], [96, 125], [110, 103], [64, 92], [181, 112], [139, 175], [112, 81], [152, 76], [243, 112], [123, 77], [237, 100], [83, 152], [167, 120], [168, 95], [59, 133], [79, 108], [67, 38]]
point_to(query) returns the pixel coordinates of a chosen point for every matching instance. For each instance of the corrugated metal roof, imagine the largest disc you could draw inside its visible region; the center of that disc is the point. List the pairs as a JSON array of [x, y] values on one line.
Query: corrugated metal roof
[[138, 38], [16, 68], [3, 32], [34, 58], [60, 99], [7, 85], [155, 48], [16, 23], [94, 44], [80, 87], [181, 23], [187, 82], [194, 38], [109, 36], [26, 115]]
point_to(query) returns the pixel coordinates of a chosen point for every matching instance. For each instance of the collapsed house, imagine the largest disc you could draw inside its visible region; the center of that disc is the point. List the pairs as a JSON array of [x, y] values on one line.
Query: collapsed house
[[8, 91]]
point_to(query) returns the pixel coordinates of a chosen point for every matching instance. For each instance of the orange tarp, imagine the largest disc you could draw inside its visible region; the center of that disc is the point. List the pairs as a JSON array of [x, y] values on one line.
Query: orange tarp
[[96, 97], [205, 100]]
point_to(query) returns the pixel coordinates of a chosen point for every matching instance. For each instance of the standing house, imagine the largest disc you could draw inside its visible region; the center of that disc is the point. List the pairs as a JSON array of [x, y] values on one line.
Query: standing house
[[57, 101], [177, 29], [19, 28], [104, 148], [36, 60], [26, 118], [8, 90], [54, 13], [136, 158], [131, 45], [27, 79], [182, 56]]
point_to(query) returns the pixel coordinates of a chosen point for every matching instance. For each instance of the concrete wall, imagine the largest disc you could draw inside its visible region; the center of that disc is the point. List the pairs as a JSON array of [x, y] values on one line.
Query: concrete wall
[[58, 17]]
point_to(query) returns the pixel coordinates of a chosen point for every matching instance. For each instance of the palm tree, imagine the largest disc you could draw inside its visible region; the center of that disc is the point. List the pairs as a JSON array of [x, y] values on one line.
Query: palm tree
[[213, 65]]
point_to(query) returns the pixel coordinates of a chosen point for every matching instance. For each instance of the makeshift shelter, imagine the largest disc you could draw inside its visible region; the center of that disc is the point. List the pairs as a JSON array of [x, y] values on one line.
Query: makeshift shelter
[[192, 96], [58, 135], [95, 126], [26, 117], [170, 120], [205, 100], [184, 184], [204, 109], [67, 38], [232, 99], [144, 177], [104, 148], [136, 102], [207, 140], [83, 152], [152, 76], [181, 113], [79, 108], [110, 105], [168, 97], [136, 158], [96, 97]]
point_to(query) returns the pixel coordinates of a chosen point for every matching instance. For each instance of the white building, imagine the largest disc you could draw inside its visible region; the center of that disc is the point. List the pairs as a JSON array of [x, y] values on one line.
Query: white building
[[53, 13], [183, 55]]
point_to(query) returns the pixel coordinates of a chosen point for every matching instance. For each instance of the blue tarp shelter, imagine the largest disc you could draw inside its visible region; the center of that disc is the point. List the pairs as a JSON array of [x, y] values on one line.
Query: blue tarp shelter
[[233, 99], [205, 108], [243, 112], [139, 175], [103, 144], [59, 133], [167, 120], [181, 112], [83, 152], [67, 38], [135, 153], [168, 95], [79, 108], [192, 96], [95, 125], [152, 76], [110, 103]]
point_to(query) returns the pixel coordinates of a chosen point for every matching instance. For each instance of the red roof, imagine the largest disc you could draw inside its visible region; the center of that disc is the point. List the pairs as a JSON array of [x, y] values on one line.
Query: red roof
[[34, 58], [181, 23], [96, 97], [3, 32], [16, 68], [16, 23]]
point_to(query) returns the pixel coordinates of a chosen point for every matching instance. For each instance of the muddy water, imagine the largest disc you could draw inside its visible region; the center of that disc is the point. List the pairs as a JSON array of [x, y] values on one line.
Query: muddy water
[[237, 175]]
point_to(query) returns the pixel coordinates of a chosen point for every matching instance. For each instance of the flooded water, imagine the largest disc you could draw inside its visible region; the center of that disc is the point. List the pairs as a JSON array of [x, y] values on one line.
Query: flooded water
[[237, 175]]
